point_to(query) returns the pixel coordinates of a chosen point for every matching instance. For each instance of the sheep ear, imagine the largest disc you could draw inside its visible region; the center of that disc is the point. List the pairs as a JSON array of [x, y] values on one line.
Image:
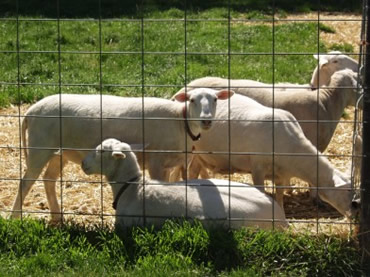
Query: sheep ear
[[118, 155], [323, 62], [173, 98], [181, 96], [224, 94], [340, 181]]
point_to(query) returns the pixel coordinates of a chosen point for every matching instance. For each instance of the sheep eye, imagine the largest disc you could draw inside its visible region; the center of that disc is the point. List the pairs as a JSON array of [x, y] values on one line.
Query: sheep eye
[[335, 61], [215, 99], [192, 100]]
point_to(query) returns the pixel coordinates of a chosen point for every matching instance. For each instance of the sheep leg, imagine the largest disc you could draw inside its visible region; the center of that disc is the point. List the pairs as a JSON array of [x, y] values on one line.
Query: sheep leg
[[204, 173], [258, 177], [167, 174], [24, 188], [195, 168], [52, 172], [36, 161], [184, 173], [279, 194], [176, 173]]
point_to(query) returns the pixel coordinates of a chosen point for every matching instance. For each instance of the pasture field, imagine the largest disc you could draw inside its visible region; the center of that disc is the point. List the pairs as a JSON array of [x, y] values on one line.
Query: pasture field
[[114, 63], [124, 68]]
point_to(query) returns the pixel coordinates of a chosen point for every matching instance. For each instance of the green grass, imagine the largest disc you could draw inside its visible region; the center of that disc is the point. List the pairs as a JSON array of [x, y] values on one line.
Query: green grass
[[326, 29], [344, 47], [32, 248], [163, 62]]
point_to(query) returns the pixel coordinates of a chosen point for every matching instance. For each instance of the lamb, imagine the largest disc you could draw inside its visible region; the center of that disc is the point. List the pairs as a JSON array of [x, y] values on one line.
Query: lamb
[[74, 123], [318, 111], [205, 200], [328, 65], [268, 143]]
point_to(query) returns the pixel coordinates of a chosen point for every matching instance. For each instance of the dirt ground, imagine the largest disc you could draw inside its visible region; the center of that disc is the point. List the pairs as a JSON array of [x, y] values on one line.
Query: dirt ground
[[90, 203], [347, 27]]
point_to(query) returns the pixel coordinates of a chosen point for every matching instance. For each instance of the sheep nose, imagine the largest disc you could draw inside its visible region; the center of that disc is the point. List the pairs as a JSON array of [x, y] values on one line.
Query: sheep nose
[[313, 86], [356, 204], [207, 124]]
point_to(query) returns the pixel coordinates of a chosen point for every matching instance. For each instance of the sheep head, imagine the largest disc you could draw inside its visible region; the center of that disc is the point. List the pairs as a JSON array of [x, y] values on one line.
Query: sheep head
[[110, 157], [201, 103], [328, 65]]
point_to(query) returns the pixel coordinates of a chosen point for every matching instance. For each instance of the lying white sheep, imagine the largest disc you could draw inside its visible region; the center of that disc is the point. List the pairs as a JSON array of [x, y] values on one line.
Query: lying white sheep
[[268, 143], [206, 200], [328, 65], [318, 111], [74, 123]]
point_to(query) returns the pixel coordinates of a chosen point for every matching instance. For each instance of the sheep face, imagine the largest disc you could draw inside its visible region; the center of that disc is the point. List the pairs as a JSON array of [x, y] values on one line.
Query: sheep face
[[328, 65], [350, 81], [106, 157], [347, 79], [202, 102]]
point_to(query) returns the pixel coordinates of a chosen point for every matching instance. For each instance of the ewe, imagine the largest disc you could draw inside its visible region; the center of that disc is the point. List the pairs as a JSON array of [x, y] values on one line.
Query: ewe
[[71, 124], [256, 132], [206, 200]]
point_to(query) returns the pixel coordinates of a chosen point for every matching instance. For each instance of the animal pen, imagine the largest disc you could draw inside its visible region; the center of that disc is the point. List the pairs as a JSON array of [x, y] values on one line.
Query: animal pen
[[89, 199]]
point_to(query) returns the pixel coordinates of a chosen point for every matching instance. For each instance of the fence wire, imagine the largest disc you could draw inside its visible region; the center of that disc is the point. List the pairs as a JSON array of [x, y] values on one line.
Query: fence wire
[[60, 84]]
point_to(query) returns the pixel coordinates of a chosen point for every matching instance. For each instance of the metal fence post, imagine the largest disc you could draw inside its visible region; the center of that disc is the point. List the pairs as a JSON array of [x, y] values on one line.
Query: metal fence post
[[364, 236]]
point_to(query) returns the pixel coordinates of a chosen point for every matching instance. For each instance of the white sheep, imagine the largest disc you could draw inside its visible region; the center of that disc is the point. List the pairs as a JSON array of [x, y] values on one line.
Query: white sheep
[[74, 123], [205, 200], [328, 65], [318, 111], [269, 144]]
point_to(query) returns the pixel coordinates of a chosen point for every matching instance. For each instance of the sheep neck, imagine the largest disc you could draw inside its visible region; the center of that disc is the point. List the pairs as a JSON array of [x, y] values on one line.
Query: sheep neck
[[187, 127], [320, 173], [334, 99], [124, 187]]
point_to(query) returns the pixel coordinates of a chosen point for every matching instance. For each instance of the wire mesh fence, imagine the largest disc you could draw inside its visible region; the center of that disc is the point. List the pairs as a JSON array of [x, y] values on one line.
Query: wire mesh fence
[[146, 53]]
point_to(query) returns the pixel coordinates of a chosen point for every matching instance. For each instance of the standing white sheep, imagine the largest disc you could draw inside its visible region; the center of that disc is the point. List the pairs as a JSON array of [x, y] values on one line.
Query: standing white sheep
[[328, 64], [74, 123], [206, 200], [318, 111], [269, 144]]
